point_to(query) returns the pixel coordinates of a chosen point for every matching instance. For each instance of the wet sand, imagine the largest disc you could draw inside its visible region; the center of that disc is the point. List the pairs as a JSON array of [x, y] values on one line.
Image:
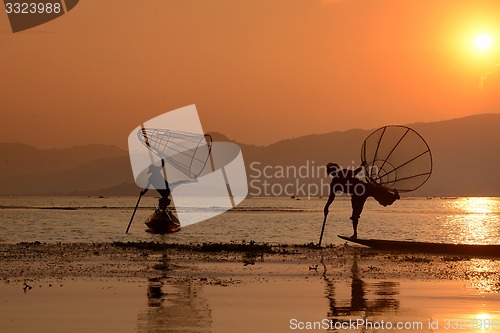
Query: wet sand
[[150, 287]]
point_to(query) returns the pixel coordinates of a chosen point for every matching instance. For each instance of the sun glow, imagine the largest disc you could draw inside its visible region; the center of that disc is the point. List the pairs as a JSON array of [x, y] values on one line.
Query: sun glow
[[483, 42], [483, 316], [476, 219], [477, 205]]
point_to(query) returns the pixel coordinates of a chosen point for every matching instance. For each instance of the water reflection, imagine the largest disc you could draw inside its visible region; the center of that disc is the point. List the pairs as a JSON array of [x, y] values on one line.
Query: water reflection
[[155, 292], [358, 301], [477, 205], [474, 308], [173, 306], [483, 275], [181, 305], [476, 220], [366, 299]]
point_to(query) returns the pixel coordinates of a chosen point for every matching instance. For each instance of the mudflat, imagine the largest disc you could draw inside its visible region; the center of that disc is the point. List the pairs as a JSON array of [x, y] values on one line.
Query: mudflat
[[156, 287]]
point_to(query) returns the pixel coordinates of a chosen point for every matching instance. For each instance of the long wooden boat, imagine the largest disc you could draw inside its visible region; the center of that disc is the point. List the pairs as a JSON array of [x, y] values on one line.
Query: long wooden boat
[[476, 250]]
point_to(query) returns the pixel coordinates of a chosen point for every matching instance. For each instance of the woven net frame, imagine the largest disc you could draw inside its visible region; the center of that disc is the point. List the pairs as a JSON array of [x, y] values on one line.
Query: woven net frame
[[397, 158], [187, 152]]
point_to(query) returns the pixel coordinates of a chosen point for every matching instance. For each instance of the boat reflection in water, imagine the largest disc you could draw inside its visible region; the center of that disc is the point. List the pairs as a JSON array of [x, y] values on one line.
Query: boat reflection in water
[[342, 289], [173, 305]]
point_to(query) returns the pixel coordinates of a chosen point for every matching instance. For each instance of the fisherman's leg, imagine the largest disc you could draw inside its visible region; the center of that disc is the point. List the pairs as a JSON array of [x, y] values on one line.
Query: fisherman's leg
[[354, 228], [357, 203]]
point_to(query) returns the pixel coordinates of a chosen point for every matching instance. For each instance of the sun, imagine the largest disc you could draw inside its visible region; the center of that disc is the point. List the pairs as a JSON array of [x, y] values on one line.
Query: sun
[[483, 42]]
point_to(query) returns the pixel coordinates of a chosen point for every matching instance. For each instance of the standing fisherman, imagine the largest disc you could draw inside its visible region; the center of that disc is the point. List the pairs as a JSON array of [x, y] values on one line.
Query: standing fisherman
[[346, 181]]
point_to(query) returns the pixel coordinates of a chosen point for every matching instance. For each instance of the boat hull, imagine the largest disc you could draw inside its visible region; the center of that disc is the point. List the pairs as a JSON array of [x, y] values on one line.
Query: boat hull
[[162, 222], [476, 250]]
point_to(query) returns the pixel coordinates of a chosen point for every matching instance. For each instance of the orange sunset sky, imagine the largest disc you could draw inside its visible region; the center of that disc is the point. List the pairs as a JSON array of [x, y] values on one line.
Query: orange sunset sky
[[258, 70]]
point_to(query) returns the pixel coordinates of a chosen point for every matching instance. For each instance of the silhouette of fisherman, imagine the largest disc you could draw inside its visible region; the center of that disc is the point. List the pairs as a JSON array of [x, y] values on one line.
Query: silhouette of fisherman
[[160, 184], [346, 181]]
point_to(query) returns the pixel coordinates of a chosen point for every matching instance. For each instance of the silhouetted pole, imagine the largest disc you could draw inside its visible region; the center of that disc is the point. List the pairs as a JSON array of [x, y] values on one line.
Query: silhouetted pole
[[322, 230], [135, 209]]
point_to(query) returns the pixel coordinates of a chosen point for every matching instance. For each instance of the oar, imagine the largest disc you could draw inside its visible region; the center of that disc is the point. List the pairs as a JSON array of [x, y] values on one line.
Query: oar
[[135, 209], [322, 230]]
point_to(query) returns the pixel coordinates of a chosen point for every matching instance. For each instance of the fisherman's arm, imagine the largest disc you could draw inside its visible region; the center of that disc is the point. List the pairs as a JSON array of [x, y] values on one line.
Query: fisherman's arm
[[331, 197], [363, 164]]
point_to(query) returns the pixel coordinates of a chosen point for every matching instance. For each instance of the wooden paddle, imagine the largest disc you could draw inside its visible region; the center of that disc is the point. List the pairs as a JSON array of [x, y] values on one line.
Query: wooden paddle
[[322, 230]]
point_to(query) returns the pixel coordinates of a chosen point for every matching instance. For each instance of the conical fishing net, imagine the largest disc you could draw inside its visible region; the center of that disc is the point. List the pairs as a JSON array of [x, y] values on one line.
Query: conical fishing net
[[186, 152], [397, 158]]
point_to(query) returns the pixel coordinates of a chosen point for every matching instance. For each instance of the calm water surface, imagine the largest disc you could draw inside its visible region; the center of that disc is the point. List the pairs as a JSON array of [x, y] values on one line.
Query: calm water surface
[[272, 220], [157, 305]]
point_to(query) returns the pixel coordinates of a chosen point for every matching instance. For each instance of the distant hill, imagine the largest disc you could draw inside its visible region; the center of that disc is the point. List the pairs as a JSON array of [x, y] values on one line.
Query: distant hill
[[17, 159], [465, 152], [466, 155]]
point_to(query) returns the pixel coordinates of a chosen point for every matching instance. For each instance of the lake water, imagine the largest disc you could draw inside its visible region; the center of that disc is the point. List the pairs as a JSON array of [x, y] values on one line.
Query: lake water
[[264, 220]]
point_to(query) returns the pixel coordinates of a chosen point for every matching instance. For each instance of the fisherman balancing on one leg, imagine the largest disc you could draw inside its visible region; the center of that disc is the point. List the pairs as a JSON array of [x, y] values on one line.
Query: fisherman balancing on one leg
[[346, 181]]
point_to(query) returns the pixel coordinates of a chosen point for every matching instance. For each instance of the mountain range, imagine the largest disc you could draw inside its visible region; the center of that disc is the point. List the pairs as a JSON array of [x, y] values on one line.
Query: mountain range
[[465, 152]]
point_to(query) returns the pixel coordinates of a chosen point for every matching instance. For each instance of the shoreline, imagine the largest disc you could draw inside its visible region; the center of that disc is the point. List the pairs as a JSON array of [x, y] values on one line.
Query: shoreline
[[28, 260]]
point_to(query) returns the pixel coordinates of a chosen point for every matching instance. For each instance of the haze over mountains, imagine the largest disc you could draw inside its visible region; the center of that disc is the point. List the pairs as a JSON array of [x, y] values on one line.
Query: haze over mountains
[[466, 156]]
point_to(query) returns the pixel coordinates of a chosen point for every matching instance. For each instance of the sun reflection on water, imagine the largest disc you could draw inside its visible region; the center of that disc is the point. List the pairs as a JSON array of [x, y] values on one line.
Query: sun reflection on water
[[475, 221], [483, 275], [477, 205], [483, 322]]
